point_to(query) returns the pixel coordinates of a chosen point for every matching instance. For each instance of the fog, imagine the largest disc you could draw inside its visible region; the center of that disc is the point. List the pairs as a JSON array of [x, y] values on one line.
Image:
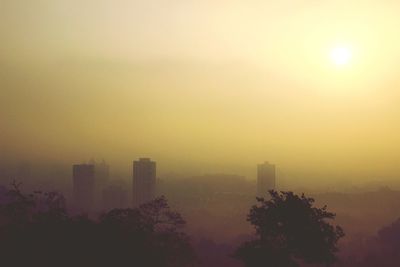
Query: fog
[[207, 90], [201, 88]]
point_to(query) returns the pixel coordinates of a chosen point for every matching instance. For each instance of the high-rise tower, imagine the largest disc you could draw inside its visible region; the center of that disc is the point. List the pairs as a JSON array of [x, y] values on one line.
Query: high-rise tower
[[144, 181], [265, 178]]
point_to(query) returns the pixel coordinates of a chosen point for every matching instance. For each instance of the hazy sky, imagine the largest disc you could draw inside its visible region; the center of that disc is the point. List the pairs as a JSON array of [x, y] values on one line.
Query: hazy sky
[[215, 85]]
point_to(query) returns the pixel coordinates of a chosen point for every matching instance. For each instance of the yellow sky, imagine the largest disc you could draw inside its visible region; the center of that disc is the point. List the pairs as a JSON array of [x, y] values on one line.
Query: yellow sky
[[218, 83]]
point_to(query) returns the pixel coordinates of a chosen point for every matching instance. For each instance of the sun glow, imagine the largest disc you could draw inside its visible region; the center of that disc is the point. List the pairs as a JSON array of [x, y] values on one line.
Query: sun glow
[[340, 55]]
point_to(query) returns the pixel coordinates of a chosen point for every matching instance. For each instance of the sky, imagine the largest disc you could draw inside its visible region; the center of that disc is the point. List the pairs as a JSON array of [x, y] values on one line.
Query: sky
[[207, 86]]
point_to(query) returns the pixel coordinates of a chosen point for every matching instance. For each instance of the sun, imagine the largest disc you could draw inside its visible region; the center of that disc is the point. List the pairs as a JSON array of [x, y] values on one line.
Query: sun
[[341, 55]]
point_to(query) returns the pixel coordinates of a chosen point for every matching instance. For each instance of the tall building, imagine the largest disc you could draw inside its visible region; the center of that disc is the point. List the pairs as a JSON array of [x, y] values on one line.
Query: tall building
[[265, 178], [84, 186], [144, 181]]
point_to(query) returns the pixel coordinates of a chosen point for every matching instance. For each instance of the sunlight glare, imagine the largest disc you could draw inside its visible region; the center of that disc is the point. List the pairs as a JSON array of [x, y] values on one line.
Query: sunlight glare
[[340, 55]]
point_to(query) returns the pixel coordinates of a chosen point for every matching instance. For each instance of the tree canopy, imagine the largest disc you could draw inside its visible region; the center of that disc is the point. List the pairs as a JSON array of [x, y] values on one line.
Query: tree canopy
[[290, 230], [35, 230]]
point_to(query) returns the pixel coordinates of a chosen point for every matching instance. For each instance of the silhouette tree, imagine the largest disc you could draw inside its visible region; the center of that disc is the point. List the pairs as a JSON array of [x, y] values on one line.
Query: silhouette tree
[[36, 230], [381, 250], [152, 231], [290, 230]]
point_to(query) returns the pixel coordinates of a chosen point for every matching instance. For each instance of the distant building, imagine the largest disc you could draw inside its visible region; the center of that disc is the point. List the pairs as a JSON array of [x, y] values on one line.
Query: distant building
[[84, 186], [144, 181], [114, 197], [265, 178]]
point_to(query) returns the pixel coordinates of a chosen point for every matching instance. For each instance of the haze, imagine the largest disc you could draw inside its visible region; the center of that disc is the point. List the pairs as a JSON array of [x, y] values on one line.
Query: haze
[[203, 86]]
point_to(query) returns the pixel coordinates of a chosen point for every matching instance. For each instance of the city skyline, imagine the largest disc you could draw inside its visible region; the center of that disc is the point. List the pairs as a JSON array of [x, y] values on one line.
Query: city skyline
[[204, 83], [187, 133], [95, 189]]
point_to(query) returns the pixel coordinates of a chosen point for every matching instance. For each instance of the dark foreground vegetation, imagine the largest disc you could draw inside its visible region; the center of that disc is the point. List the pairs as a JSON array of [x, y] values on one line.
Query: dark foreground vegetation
[[381, 250], [290, 231], [36, 230]]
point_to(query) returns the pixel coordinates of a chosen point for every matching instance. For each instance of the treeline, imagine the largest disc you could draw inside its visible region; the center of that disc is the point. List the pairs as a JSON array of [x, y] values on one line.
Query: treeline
[[36, 230]]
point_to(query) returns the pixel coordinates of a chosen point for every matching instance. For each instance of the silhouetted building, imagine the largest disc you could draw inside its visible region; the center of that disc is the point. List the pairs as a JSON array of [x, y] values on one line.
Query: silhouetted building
[[265, 178], [144, 181], [84, 186], [114, 197]]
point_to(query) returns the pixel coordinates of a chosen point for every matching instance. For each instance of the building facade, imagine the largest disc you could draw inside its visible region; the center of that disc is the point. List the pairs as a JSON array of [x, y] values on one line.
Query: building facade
[[144, 181], [266, 179]]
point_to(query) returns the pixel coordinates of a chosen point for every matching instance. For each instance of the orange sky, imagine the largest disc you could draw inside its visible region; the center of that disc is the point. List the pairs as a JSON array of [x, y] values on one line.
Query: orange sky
[[221, 84]]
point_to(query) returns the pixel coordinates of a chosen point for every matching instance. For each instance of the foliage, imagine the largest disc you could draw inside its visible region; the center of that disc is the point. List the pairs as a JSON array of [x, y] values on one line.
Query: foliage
[[381, 250], [290, 230], [36, 230]]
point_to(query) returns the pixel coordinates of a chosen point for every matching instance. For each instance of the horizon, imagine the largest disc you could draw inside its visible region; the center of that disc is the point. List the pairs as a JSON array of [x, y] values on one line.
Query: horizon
[[186, 133], [209, 85]]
